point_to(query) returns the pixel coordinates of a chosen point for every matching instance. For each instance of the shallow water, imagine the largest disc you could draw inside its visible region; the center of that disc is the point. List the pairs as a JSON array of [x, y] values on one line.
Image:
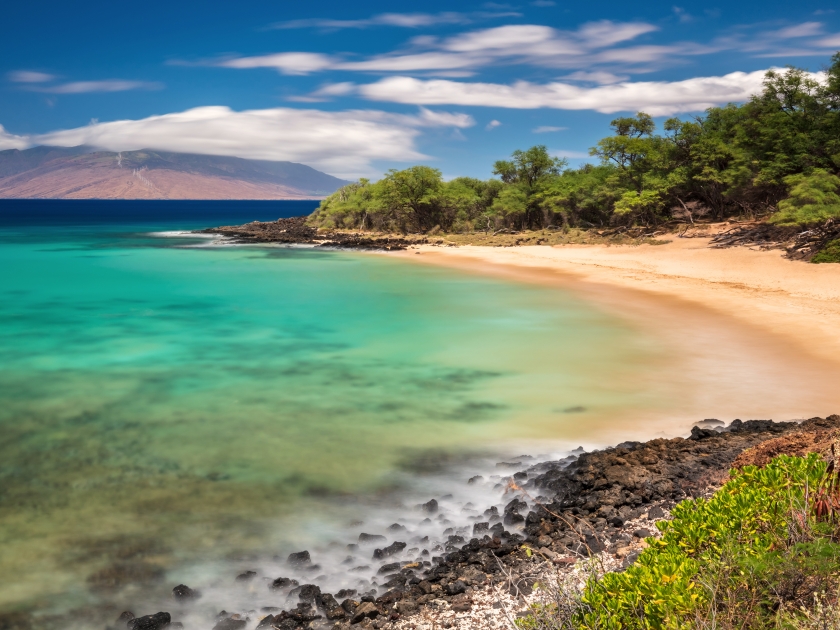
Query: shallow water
[[169, 407]]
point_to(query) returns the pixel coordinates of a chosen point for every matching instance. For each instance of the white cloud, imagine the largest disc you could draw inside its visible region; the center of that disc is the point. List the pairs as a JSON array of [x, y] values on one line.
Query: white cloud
[[342, 143], [832, 41], [29, 76], [522, 43], [287, 63], [404, 20], [574, 155], [9, 141], [492, 125], [806, 29], [546, 129], [658, 98], [112, 85]]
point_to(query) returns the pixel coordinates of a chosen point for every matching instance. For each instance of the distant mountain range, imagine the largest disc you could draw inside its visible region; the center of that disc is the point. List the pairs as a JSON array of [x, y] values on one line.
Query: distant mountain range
[[85, 173]]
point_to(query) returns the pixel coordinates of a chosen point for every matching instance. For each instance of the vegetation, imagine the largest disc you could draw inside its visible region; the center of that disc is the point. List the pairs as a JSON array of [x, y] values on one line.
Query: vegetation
[[778, 154], [763, 552]]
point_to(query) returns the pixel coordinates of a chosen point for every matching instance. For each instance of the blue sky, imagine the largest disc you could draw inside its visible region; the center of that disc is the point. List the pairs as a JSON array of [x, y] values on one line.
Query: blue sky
[[356, 88]]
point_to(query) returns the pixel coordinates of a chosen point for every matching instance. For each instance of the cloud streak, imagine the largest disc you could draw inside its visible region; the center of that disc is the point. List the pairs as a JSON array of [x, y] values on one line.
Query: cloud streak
[[110, 85], [401, 20], [30, 76], [524, 43], [342, 143], [658, 98]]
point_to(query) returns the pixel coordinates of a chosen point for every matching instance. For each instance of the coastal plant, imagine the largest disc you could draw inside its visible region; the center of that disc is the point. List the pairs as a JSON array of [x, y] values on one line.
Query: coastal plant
[[776, 155], [754, 555], [829, 254]]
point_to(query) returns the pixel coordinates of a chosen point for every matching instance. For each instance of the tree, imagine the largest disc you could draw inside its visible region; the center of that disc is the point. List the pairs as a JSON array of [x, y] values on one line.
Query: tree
[[813, 198], [526, 171]]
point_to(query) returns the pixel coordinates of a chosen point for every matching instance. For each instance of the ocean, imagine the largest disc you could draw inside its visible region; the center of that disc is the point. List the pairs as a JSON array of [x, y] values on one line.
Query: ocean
[[174, 409]]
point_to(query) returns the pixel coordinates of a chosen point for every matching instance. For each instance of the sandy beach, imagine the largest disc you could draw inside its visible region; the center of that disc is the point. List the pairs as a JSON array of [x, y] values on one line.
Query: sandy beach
[[756, 335]]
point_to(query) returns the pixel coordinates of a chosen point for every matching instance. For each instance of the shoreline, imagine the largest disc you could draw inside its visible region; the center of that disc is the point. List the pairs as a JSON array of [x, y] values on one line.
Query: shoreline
[[753, 335]]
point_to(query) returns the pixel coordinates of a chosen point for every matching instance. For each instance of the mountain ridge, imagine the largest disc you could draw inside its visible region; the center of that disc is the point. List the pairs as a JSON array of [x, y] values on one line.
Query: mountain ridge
[[87, 173]]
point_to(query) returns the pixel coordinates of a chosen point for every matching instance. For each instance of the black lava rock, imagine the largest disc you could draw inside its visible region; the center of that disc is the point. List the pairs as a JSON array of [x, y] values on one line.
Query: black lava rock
[[150, 622], [182, 592], [299, 559]]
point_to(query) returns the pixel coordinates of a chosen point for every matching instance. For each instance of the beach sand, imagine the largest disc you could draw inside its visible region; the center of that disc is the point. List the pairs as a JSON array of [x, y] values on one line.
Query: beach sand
[[754, 335]]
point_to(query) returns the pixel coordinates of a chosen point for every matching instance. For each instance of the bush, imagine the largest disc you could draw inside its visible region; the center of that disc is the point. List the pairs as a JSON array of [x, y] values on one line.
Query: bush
[[756, 554], [829, 254]]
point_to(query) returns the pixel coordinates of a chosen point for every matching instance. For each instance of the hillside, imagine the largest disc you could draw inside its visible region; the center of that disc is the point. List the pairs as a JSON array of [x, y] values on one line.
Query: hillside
[[84, 173]]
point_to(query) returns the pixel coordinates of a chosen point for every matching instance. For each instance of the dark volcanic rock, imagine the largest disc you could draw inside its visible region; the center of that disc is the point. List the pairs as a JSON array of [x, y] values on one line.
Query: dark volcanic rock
[[182, 592], [299, 559], [230, 624], [246, 576], [390, 550], [295, 230], [282, 582], [150, 622]]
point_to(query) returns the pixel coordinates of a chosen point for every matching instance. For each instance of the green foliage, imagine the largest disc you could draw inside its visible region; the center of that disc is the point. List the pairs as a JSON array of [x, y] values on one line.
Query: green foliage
[[749, 551], [780, 150], [813, 198], [829, 254]]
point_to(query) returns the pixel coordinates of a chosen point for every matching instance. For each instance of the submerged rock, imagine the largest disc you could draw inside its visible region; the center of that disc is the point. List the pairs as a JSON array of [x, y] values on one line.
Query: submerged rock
[[150, 622]]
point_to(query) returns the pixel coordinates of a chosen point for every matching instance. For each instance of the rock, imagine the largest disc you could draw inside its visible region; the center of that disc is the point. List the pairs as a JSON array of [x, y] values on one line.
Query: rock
[[182, 592], [124, 618], [656, 512], [299, 559], [281, 583], [365, 610], [390, 550], [371, 538], [455, 588], [476, 479], [431, 507], [630, 559], [350, 605], [230, 624], [406, 607], [266, 622], [345, 592], [642, 533], [396, 527], [150, 622], [698, 434], [247, 576], [309, 593]]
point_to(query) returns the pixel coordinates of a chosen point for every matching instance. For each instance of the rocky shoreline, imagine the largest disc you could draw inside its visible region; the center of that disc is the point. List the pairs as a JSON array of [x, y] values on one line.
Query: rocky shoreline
[[295, 231], [560, 517]]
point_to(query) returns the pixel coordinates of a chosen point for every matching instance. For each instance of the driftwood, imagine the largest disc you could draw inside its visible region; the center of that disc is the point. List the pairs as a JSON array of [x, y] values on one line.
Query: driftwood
[[798, 243]]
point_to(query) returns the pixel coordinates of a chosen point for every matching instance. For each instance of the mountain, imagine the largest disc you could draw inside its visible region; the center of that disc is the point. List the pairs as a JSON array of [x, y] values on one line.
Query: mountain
[[85, 173]]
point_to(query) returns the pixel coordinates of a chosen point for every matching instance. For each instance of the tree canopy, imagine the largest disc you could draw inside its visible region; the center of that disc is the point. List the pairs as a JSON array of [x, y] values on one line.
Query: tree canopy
[[777, 154]]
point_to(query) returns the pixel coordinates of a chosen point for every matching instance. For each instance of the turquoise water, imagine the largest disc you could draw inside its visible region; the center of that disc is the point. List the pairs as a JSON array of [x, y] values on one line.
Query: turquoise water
[[163, 400]]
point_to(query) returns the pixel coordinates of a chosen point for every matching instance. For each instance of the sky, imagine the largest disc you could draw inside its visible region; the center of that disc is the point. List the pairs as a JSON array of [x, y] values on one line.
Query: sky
[[356, 88]]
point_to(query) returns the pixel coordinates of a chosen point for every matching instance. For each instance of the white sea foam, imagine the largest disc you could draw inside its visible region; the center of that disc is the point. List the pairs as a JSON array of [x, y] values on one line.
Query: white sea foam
[[340, 561]]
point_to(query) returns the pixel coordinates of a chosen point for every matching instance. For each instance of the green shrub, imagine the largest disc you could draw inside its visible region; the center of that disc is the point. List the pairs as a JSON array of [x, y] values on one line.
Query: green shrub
[[753, 554], [829, 254]]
